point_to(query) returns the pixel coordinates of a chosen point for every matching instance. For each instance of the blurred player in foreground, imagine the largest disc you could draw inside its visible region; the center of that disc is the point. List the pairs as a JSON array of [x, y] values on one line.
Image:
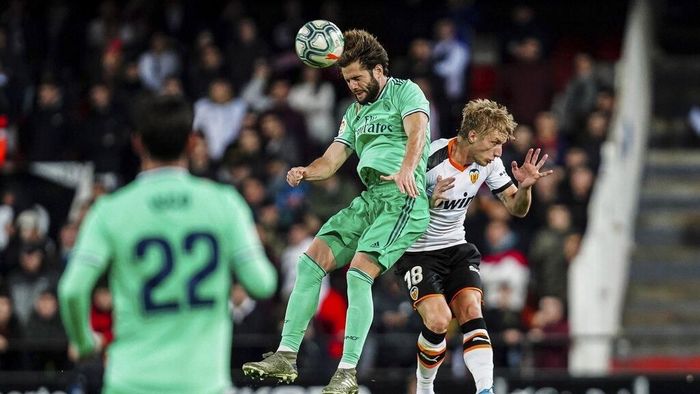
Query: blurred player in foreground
[[441, 270], [171, 243], [388, 129]]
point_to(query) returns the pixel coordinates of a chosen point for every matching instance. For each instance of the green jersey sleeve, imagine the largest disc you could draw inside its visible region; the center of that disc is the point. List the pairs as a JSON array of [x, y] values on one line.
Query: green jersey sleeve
[[249, 262], [88, 262], [411, 99], [346, 133]]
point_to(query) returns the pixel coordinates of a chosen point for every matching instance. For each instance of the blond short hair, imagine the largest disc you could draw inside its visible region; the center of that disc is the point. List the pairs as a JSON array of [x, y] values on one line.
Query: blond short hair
[[485, 116]]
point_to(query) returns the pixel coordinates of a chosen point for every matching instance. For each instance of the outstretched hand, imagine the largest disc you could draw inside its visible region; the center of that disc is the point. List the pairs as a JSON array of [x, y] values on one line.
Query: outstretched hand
[[528, 174], [405, 180]]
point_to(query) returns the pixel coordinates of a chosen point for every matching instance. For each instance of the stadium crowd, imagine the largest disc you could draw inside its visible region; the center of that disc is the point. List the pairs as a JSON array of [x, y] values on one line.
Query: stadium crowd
[[71, 75]]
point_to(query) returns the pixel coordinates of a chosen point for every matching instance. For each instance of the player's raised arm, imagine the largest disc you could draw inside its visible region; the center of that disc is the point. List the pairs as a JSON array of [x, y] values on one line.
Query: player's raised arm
[[323, 167], [517, 199]]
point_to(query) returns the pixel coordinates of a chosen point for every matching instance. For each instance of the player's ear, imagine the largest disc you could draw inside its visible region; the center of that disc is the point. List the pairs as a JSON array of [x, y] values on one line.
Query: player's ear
[[471, 136], [377, 71]]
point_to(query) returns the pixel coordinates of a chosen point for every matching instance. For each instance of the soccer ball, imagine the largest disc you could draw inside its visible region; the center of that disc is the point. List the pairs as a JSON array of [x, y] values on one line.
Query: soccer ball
[[319, 43]]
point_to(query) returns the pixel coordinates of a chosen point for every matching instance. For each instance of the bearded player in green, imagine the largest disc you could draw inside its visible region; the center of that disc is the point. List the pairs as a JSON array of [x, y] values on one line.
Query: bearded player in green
[[388, 129], [171, 242]]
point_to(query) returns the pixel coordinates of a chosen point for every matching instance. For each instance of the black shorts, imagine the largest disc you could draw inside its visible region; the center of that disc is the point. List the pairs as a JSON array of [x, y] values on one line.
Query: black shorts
[[443, 271]]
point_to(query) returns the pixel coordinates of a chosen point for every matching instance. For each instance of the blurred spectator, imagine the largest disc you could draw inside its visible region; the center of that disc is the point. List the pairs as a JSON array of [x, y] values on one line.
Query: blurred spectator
[[315, 99], [244, 51], [579, 97], [219, 117], [278, 142], [47, 135], [547, 258], [105, 132], [10, 331], [503, 266], [283, 34], [28, 282], [525, 86], [199, 161], [44, 326], [209, 66], [549, 334], [593, 136], [451, 58], [577, 194], [505, 328], [158, 63], [524, 24], [547, 136], [30, 230]]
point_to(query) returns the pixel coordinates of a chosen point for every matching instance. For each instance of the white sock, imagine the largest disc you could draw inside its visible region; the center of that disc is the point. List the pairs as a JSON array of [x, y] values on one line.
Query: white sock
[[346, 365], [478, 357], [429, 356], [283, 348]]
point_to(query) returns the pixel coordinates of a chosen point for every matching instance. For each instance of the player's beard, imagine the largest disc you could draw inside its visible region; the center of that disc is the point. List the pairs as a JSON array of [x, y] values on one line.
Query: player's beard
[[372, 91]]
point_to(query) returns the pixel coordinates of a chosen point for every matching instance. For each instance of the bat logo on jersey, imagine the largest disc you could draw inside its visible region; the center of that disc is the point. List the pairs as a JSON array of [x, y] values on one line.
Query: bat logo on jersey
[[473, 175], [414, 293]]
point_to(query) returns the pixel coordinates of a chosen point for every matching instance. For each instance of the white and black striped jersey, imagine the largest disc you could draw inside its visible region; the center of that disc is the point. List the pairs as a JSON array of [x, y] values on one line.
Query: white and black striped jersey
[[446, 226]]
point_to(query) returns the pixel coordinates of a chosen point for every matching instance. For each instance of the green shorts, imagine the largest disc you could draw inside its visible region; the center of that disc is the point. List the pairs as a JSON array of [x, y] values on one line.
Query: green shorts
[[381, 221]]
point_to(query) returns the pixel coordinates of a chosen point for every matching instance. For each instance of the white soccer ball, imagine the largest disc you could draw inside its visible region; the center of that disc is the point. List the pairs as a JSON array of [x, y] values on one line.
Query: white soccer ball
[[319, 43]]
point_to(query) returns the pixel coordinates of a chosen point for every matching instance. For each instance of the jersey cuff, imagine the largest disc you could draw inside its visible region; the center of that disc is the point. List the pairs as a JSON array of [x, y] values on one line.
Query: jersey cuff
[[342, 141], [413, 111], [502, 188]]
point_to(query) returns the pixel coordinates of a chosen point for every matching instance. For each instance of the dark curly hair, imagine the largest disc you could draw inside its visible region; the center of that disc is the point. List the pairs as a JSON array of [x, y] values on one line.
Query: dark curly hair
[[363, 47]]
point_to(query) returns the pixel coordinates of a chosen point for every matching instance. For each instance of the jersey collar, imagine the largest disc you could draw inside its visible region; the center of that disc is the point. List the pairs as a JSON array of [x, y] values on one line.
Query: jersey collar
[[162, 171], [450, 146]]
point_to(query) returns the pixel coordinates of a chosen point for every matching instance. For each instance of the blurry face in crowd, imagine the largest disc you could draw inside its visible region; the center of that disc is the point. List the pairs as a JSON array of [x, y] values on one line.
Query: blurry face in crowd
[[99, 95], [102, 299], [559, 217], [220, 92], [420, 49], [48, 94], [363, 83], [46, 305], [30, 261], [484, 148]]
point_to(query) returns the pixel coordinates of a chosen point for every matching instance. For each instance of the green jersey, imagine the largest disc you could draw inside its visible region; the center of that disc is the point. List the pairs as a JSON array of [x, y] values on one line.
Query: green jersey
[[375, 130], [171, 242]]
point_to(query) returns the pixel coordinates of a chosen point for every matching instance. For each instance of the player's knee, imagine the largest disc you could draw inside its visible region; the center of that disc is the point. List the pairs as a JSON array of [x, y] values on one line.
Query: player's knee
[[438, 322], [474, 309]]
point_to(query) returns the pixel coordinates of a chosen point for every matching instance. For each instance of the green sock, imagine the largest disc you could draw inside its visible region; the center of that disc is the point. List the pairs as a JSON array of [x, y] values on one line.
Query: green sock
[[359, 316], [303, 302]]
